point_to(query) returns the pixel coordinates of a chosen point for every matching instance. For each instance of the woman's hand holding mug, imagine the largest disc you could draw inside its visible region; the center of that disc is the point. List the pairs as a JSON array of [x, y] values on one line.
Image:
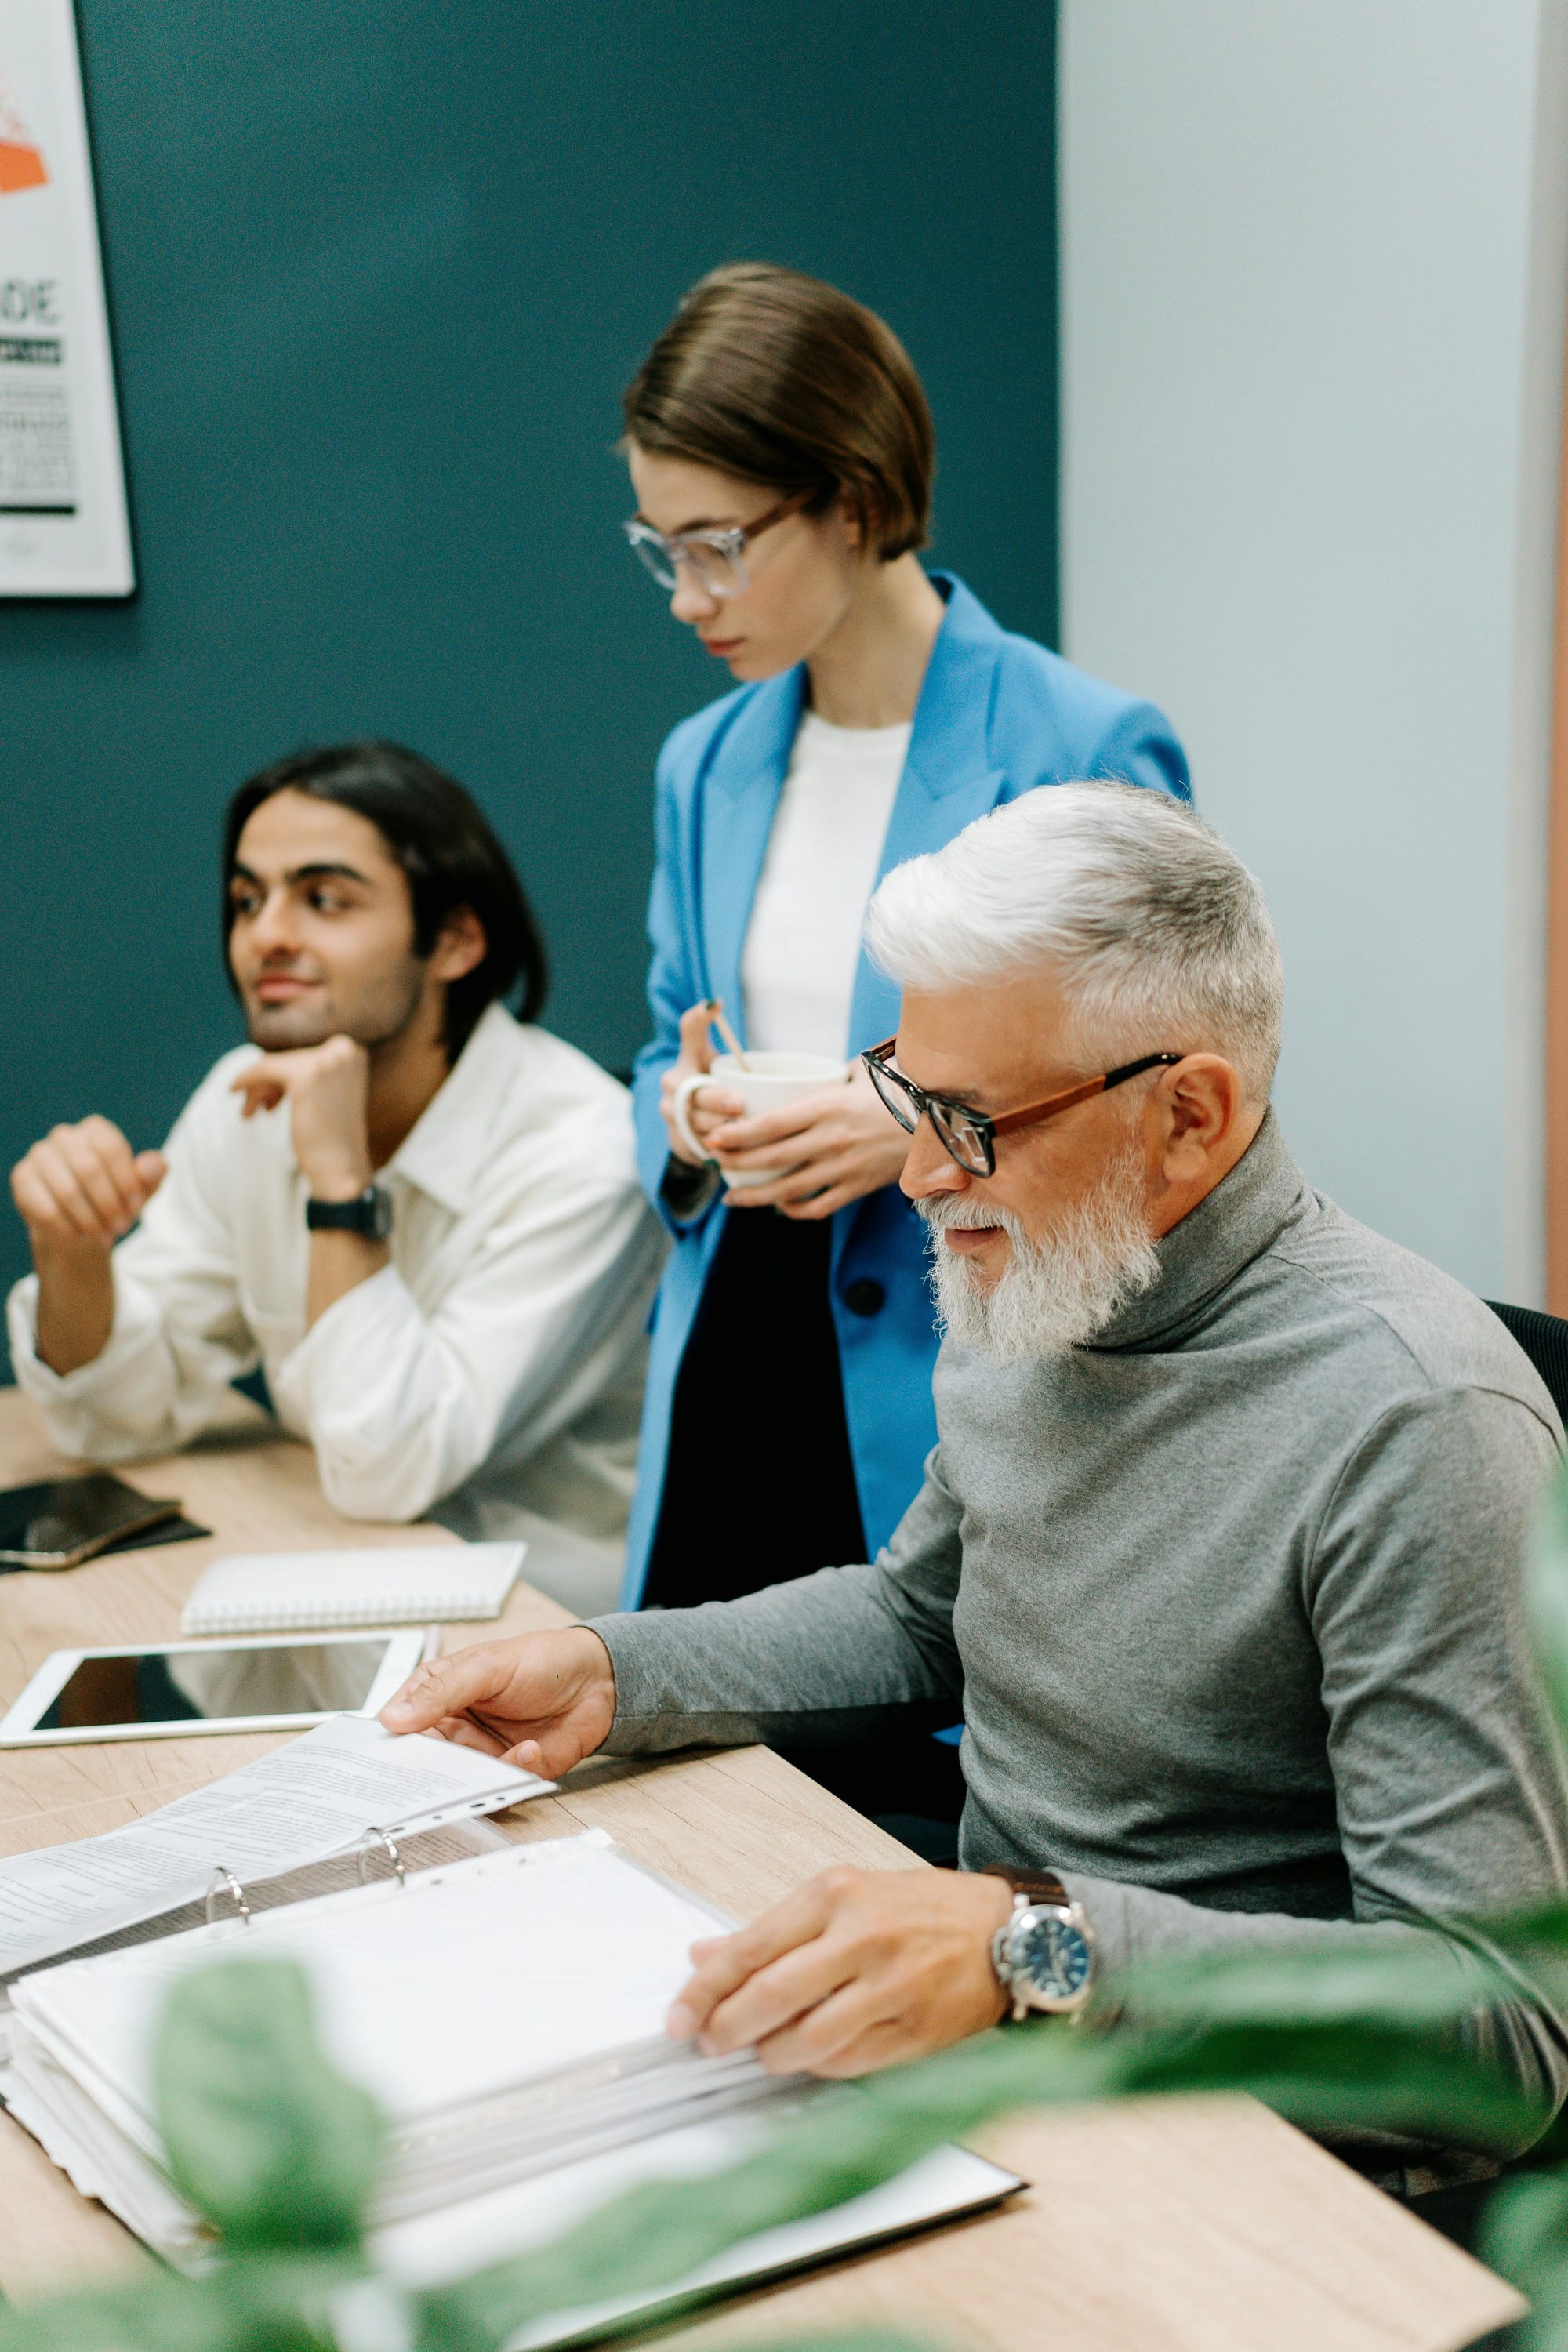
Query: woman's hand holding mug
[[840, 1143], [705, 1108]]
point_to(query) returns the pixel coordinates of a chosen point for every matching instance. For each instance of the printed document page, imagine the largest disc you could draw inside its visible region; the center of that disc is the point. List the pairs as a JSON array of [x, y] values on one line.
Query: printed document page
[[315, 1797]]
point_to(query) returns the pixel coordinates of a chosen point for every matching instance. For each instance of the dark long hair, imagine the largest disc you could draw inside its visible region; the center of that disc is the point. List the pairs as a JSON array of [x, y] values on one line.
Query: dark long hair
[[444, 844]]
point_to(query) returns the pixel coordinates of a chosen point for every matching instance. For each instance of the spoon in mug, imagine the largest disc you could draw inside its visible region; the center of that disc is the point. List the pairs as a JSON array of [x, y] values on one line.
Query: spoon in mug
[[716, 1014]]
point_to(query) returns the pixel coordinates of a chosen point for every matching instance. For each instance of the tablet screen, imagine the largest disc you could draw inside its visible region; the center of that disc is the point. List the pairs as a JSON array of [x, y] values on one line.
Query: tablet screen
[[212, 1685]]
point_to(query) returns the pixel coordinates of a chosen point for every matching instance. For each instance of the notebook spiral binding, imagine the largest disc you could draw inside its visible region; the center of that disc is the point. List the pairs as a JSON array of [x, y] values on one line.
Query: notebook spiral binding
[[374, 1841]]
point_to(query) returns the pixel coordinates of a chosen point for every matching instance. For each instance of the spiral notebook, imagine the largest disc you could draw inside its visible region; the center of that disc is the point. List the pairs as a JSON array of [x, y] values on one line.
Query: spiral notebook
[[300, 1592]]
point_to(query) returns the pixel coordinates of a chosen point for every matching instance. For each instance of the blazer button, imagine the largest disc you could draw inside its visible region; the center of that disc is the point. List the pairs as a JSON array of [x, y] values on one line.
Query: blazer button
[[865, 1296]]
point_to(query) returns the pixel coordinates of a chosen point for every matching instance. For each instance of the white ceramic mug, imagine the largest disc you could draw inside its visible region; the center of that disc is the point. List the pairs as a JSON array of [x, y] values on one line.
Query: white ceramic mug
[[773, 1080]]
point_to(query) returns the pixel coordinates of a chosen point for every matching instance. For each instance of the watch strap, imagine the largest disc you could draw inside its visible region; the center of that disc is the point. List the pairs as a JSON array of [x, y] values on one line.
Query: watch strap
[[368, 1214], [1039, 1886]]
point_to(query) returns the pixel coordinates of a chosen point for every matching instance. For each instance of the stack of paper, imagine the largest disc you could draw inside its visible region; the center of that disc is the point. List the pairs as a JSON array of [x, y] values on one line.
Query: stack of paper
[[507, 2012]]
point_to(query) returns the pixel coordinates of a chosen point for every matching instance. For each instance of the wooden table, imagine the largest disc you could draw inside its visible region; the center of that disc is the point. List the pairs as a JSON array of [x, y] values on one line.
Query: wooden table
[[1164, 2226]]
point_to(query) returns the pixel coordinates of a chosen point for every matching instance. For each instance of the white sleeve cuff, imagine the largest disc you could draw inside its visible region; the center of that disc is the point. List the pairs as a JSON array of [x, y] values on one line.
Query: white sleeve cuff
[[135, 1324], [116, 1406]]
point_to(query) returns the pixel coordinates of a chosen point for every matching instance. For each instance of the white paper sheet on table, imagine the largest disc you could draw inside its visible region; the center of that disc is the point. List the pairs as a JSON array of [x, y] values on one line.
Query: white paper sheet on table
[[316, 1796]]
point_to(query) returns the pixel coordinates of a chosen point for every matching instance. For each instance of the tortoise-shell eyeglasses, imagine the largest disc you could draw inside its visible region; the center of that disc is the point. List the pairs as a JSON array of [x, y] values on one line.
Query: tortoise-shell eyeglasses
[[969, 1137]]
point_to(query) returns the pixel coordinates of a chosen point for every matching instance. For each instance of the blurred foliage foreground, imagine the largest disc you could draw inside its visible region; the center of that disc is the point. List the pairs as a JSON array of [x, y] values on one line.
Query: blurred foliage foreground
[[280, 2153]]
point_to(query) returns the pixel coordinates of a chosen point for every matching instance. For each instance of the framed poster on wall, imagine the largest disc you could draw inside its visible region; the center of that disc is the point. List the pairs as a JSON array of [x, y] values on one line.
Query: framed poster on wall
[[64, 528]]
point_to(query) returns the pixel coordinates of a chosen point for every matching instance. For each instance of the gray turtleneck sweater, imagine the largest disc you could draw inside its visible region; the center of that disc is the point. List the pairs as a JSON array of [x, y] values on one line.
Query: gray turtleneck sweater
[[1229, 1599]]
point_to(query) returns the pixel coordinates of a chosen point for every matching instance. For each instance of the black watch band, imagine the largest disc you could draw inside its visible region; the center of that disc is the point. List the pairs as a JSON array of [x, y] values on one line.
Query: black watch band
[[370, 1214]]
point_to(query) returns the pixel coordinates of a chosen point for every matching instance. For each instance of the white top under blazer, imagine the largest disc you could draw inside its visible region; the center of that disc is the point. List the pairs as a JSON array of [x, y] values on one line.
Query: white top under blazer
[[802, 944]]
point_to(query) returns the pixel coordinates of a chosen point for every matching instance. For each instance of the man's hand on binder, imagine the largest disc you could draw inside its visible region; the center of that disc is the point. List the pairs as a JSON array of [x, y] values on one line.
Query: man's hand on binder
[[543, 1701], [856, 1971]]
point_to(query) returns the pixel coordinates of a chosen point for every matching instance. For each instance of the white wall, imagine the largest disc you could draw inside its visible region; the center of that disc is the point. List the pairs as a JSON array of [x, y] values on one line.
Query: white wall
[[1313, 258]]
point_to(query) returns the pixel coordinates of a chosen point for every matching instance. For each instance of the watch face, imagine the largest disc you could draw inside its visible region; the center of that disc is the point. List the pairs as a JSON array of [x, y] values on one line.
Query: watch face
[[1052, 1953]]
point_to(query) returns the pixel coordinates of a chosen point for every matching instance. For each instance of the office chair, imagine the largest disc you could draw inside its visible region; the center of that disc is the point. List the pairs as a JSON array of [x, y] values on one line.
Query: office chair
[[1544, 1339]]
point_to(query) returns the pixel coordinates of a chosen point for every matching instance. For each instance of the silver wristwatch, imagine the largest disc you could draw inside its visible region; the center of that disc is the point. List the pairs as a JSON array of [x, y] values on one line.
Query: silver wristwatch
[[1044, 1954]]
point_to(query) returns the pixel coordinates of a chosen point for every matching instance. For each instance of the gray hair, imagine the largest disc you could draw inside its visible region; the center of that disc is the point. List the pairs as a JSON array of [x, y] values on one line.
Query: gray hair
[[1158, 933]]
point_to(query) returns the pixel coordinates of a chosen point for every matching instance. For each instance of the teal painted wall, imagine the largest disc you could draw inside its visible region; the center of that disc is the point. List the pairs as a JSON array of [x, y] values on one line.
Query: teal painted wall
[[377, 274]]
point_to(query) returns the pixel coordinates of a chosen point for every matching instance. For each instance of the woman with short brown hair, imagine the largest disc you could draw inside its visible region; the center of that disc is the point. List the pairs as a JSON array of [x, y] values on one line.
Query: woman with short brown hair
[[769, 376], [782, 453]]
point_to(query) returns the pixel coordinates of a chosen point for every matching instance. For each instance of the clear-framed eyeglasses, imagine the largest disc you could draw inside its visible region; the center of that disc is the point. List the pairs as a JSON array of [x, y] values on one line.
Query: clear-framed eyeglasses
[[716, 559]]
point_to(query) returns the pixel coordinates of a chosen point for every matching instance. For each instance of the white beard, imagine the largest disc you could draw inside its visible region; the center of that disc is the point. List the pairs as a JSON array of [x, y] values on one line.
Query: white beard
[[1056, 1293]]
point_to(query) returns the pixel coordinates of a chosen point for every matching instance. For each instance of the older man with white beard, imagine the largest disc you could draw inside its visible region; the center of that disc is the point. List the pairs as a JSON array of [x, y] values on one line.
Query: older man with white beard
[[1220, 1545]]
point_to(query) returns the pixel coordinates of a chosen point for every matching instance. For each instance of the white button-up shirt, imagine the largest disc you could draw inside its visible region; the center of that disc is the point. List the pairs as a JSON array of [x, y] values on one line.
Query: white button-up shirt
[[495, 1366]]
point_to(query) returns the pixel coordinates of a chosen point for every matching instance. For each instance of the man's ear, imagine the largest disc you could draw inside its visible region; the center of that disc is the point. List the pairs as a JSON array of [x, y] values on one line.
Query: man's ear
[[460, 946], [1204, 1105]]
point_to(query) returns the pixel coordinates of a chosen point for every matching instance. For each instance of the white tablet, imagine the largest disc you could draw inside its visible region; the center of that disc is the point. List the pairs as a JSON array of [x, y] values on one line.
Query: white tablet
[[158, 1690]]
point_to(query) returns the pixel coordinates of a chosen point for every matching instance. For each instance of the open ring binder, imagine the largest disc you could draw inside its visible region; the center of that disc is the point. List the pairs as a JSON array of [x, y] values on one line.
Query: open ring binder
[[368, 1845], [374, 1841], [223, 1882], [492, 2078]]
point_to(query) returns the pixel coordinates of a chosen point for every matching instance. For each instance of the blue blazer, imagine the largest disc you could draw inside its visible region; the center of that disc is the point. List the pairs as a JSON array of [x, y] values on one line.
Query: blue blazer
[[997, 715]]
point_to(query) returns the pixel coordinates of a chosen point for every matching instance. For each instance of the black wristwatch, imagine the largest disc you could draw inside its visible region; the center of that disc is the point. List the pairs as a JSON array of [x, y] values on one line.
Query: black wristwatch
[[370, 1215]]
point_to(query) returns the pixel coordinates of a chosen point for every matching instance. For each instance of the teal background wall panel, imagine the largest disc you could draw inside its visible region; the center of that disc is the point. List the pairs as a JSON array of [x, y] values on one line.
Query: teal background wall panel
[[377, 274]]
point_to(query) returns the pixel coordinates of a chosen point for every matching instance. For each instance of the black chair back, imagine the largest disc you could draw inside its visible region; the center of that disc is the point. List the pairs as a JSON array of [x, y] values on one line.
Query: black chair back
[[1544, 1339]]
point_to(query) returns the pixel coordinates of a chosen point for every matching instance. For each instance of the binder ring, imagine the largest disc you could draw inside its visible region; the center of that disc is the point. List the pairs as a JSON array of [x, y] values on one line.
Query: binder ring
[[223, 1882], [368, 1845]]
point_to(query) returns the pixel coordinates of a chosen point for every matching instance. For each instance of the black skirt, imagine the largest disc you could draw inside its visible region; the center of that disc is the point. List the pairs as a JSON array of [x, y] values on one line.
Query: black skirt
[[760, 1482], [759, 1487]]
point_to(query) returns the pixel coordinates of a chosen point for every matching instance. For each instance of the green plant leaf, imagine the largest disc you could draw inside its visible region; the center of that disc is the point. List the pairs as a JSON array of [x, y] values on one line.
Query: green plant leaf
[[160, 2315], [851, 2140], [1524, 2235], [1526, 2230], [273, 2303], [265, 2139], [1546, 1598], [1380, 2077], [1425, 1980]]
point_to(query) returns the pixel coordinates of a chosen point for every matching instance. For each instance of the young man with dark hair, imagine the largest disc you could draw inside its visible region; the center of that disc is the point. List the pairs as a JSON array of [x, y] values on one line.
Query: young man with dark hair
[[419, 1215]]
